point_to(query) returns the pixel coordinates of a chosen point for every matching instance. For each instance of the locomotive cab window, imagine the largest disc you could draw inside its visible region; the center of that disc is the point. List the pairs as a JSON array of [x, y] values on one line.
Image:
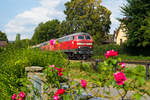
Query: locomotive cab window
[[73, 38], [87, 37], [80, 37]]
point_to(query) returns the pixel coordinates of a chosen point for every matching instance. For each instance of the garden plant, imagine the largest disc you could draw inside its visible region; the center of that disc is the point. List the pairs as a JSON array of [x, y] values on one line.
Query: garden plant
[[113, 75]]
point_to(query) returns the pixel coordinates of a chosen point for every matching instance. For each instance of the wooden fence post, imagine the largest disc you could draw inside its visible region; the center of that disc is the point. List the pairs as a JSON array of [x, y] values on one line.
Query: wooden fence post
[[147, 72], [96, 64]]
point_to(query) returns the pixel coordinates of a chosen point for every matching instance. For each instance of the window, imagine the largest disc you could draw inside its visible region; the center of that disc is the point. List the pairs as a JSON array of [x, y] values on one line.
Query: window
[[80, 37], [120, 41], [87, 37], [73, 38]]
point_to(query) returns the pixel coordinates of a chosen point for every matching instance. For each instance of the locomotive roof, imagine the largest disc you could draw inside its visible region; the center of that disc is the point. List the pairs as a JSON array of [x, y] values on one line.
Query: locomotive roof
[[79, 33]]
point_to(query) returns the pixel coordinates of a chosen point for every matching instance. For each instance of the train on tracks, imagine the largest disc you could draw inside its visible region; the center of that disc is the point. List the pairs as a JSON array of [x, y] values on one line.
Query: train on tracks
[[78, 45]]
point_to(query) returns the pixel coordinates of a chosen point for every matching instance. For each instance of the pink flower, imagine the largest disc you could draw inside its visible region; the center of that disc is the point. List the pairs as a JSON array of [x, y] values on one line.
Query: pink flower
[[111, 53], [122, 64], [55, 97], [13, 96], [22, 94], [120, 78], [83, 83], [51, 66], [52, 42], [60, 91]]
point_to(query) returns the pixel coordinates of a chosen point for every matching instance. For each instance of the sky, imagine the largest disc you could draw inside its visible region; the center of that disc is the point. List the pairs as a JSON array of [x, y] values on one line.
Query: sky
[[23, 16]]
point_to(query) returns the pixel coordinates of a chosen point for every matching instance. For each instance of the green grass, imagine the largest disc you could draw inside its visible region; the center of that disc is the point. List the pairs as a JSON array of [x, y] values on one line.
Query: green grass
[[126, 57]]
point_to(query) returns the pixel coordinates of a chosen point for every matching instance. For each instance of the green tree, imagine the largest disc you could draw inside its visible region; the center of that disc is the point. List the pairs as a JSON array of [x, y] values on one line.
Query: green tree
[[18, 37], [88, 16], [3, 36], [22, 43], [46, 31], [137, 22]]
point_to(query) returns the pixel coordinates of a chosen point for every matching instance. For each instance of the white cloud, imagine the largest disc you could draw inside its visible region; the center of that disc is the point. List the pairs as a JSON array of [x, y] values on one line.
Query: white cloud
[[114, 7], [25, 23]]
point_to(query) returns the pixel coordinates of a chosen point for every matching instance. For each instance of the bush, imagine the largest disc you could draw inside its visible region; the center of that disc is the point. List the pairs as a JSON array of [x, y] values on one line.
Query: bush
[[123, 50], [12, 68], [102, 49]]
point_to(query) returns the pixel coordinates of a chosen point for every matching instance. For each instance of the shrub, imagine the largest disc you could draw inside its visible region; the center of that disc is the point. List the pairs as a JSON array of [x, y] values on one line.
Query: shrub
[[125, 52], [12, 68], [102, 49]]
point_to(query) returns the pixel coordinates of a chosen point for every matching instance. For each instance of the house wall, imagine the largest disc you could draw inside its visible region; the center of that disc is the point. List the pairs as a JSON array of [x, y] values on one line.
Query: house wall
[[121, 37]]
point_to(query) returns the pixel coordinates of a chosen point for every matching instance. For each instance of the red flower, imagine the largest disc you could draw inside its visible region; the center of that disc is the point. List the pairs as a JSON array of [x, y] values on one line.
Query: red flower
[[83, 83], [60, 91], [60, 74], [13, 96], [111, 53], [22, 94], [62, 69], [58, 69], [120, 78]]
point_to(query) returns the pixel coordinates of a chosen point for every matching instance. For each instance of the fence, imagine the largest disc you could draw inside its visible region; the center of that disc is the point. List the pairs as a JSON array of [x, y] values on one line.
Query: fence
[[145, 63]]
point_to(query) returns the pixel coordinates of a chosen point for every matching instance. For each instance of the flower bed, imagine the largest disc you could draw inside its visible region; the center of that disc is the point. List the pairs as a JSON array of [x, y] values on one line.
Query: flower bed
[[112, 75]]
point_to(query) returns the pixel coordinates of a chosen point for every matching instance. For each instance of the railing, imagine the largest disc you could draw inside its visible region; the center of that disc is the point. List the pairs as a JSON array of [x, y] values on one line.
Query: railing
[[145, 63]]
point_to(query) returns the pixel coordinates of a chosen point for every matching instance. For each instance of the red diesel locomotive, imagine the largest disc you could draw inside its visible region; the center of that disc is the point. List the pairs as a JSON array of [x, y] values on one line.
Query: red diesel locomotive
[[79, 45]]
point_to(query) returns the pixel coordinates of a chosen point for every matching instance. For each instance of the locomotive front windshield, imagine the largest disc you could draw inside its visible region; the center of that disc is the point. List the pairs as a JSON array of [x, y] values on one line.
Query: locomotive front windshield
[[87, 37], [80, 37]]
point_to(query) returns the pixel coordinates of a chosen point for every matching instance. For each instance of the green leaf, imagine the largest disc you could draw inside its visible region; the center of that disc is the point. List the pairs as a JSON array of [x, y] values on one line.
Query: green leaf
[[114, 61], [137, 96], [119, 59], [105, 63], [114, 83], [46, 85], [73, 82], [141, 81], [104, 68], [66, 97]]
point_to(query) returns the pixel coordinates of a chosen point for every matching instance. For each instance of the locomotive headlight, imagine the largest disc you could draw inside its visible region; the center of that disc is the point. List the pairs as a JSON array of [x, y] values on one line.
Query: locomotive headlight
[[89, 44], [80, 43]]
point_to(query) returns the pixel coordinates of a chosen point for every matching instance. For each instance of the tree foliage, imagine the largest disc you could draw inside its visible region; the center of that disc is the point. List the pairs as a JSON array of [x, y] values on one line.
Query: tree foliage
[[22, 43], [87, 16], [46, 31], [18, 37], [3, 36], [137, 22]]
